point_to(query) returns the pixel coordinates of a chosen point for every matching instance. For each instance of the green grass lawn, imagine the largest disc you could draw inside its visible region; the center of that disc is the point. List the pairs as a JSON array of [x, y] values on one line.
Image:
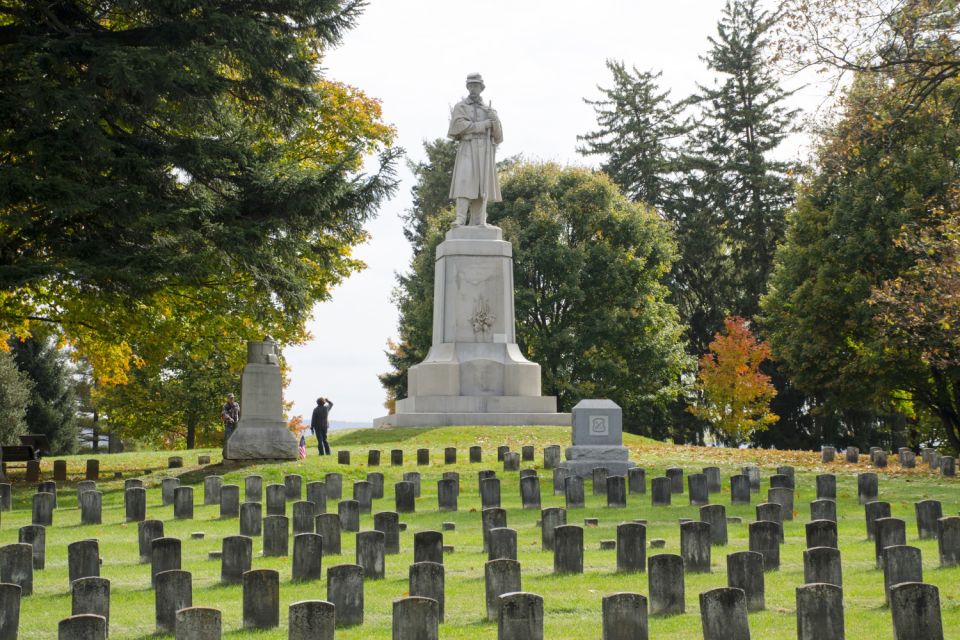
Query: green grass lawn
[[571, 603]]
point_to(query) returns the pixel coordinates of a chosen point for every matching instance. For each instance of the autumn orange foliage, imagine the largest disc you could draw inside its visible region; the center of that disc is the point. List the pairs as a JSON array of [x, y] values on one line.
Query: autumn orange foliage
[[734, 394]]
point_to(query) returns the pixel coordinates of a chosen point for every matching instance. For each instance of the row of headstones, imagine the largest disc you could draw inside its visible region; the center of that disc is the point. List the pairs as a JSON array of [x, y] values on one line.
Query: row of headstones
[[696, 538], [745, 570], [906, 457], [765, 537], [700, 484], [92, 470], [915, 610], [551, 458], [365, 491], [527, 453]]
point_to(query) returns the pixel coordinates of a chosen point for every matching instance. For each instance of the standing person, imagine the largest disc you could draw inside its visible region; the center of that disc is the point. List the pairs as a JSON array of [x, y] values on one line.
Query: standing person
[[476, 126], [230, 415], [319, 424]]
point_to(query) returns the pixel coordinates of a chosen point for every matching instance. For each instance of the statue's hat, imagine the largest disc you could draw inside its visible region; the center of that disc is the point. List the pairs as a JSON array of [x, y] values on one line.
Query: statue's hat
[[475, 77]]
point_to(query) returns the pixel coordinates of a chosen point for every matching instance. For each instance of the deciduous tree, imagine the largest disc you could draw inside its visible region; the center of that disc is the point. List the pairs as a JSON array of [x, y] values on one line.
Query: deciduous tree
[[735, 393]]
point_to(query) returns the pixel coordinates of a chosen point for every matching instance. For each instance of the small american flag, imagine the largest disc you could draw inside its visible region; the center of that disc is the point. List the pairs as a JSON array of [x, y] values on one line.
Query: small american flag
[[303, 447]]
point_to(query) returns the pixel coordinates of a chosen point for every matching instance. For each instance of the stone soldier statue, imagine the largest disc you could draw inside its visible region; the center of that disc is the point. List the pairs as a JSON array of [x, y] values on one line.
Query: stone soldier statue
[[476, 127]]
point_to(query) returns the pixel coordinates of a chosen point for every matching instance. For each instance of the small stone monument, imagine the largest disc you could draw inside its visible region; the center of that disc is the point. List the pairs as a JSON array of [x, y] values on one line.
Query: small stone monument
[[262, 432], [597, 440]]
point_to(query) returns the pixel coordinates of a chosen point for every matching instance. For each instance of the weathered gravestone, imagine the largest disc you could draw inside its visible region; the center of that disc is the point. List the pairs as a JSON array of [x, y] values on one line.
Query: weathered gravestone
[[625, 617], [303, 515], [745, 571], [666, 587], [822, 564], [276, 500], [901, 564], [328, 527], [253, 489], [91, 596], [198, 623], [765, 540], [388, 522], [426, 579], [164, 556], [86, 626], [345, 593], [631, 547], [370, 554], [739, 489], [416, 618], [695, 546], [928, 512], [573, 492], [915, 609], [236, 558], [500, 577], [261, 598], [10, 595], [521, 617], [822, 533], [251, 519], [567, 549], [16, 566], [135, 504], [173, 590], [276, 531], [428, 546], [293, 484], [349, 511], [948, 540], [312, 620], [211, 489], [723, 614], [820, 612], [307, 557], [36, 536], [229, 501], [826, 486], [716, 516], [502, 543]]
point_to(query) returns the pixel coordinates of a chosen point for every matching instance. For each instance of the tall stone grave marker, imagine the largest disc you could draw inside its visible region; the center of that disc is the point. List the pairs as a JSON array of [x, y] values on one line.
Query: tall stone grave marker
[[262, 432]]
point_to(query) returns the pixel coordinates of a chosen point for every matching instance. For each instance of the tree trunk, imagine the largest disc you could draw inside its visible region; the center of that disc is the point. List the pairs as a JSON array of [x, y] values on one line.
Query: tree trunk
[[191, 434], [96, 431]]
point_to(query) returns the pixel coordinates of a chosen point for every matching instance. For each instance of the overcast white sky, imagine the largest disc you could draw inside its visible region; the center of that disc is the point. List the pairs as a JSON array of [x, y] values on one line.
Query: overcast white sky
[[539, 59]]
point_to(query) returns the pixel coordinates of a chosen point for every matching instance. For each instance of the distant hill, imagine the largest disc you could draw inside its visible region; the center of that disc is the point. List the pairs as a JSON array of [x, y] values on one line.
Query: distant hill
[[343, 424]]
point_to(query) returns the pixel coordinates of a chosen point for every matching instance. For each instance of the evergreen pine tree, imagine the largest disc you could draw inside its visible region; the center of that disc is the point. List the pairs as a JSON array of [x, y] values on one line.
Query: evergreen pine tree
[[53, 408], [734, 172], [14, 399], [636, 125]]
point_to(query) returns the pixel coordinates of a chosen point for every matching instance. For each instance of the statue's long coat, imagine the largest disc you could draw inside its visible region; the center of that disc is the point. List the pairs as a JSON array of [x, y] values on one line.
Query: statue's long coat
[[475, 168]]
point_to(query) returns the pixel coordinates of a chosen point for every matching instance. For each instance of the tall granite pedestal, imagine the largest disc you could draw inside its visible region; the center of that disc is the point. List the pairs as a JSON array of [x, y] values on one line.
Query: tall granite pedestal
[[597, 440], [474, 373], [262, 432]]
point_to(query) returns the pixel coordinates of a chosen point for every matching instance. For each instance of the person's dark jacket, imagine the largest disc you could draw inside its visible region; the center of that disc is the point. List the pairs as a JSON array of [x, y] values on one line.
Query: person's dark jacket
[[318, 421]]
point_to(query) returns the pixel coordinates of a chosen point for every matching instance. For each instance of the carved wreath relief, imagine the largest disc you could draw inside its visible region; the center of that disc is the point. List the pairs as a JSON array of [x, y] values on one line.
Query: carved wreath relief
[[482, 318]]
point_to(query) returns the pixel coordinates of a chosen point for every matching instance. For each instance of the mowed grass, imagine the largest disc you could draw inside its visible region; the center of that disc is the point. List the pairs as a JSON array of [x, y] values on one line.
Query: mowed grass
[[572, 603]]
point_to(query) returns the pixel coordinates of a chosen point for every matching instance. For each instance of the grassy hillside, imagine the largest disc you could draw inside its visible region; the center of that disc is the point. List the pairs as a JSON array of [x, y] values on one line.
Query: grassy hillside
[[572, 603]]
